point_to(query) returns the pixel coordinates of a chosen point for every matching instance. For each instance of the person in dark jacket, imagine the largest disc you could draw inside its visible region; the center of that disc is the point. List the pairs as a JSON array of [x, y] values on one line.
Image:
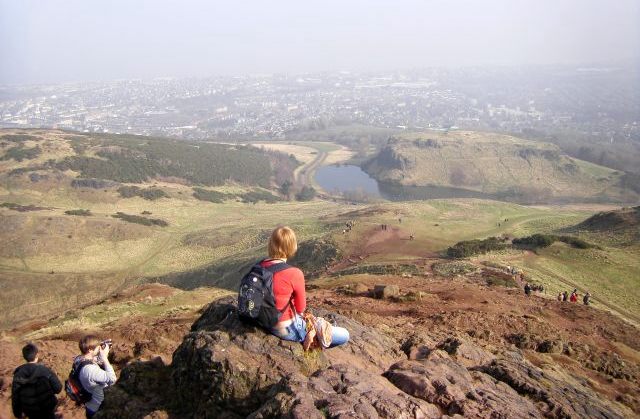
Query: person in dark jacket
[[34, 388]]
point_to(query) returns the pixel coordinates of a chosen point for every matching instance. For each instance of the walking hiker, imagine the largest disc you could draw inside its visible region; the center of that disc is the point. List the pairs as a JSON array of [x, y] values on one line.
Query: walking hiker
[[34, 387], [93, 370], [565, 296], [574, 297], [527, 289], [586, 299], [290, 295], [559, 296]]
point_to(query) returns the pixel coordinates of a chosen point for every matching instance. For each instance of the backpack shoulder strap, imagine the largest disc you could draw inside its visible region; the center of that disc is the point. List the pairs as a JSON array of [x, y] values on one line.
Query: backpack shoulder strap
[[277, 267], [78, 367]]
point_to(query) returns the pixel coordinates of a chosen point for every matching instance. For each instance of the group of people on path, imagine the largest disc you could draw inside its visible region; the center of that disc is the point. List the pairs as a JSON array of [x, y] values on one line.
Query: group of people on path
[[532, 287], [563, 296], [348, 226], [573, 298], [35, 386]]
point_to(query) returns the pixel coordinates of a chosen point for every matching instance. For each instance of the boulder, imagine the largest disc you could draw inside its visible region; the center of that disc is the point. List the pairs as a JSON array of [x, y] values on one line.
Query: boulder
[[440, 380], [551, 346], [360, 288], [386, 291]]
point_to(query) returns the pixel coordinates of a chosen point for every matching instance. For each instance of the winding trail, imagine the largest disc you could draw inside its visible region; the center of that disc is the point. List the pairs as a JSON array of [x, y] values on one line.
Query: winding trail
[[307, 171], [630, 317]]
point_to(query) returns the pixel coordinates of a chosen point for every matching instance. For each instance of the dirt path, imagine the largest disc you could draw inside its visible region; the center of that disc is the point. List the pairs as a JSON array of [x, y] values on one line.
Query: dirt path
[[630, 317], [308, 170]]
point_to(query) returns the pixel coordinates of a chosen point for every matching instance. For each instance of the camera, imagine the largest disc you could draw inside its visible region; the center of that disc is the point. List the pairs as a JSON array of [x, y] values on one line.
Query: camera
[[105, 343]]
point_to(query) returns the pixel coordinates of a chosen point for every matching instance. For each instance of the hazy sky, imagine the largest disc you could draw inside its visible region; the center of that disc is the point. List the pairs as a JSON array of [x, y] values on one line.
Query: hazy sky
[[70, 40]]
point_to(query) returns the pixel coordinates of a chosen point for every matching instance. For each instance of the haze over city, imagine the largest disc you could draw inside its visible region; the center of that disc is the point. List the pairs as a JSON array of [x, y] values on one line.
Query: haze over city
[[61, 41]]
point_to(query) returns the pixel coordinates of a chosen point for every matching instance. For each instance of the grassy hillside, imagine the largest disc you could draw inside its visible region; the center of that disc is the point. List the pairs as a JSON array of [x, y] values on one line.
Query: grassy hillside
[[136, 159], [63, 248], [500, 166]]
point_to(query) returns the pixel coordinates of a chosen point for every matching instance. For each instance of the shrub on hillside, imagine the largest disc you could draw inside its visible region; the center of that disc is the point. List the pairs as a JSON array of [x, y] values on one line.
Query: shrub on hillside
[[22, 208], [20, 153], [211, 196], [575, 242], [256, 196], [18, 138], [475, 247], [306, 194], [140, 220], [80, 212], [537, 241], [150, 194], [136, 159]]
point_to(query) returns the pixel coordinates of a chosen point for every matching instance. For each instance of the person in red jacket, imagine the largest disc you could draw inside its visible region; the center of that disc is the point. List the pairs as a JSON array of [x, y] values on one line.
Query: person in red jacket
[[289, 291], [574, 297]]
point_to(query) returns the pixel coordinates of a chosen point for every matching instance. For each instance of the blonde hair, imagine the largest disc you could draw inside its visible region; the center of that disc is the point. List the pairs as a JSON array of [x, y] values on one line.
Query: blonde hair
[[282, 243], [88, 343]]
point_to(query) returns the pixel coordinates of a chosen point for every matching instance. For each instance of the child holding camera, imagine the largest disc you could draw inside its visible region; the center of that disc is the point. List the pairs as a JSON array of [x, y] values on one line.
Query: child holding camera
[[97, 374]]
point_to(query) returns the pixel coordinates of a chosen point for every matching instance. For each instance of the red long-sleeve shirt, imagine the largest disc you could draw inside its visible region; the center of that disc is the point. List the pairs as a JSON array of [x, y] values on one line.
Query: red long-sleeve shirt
[[286, 284]]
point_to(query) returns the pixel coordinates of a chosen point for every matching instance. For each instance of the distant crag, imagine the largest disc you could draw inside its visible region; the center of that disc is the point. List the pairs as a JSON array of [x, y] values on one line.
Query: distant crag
[[622, 224], [498, 166], [622, 219]]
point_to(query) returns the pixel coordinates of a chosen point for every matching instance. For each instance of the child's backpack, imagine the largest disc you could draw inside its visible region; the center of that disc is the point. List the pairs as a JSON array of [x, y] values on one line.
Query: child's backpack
[[73, 386], [256, 303]]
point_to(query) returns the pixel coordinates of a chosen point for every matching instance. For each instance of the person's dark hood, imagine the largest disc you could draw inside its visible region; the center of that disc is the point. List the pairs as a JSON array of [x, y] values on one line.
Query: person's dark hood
[[29, 373]]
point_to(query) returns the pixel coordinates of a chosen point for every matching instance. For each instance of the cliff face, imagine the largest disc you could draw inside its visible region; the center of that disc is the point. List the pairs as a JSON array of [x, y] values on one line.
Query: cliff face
[[492, 164]]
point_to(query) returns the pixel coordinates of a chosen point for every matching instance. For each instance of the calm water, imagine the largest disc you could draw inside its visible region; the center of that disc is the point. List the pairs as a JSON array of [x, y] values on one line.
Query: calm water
[[352, 179], [355, 184], [346, 179]]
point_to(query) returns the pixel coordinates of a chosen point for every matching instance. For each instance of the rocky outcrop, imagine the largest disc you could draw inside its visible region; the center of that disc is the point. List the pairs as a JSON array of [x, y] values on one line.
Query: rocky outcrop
[[92, 183], [557, 393], [225, 368], [440, 380]]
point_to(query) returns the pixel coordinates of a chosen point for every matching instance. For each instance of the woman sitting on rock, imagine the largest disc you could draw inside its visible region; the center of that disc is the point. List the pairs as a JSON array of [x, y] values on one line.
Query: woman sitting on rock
[[289, 291]]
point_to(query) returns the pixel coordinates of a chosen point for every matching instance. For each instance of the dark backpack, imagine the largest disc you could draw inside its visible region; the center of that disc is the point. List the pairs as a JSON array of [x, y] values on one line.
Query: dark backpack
[[256, 302], [72, 385]]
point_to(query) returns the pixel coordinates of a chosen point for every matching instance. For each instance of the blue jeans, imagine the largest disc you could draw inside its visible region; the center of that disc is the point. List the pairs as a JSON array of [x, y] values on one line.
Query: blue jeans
[[297, 331]]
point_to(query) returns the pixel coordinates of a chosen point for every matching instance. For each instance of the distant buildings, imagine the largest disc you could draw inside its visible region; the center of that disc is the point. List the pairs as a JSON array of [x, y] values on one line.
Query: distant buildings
[[274, 105]]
